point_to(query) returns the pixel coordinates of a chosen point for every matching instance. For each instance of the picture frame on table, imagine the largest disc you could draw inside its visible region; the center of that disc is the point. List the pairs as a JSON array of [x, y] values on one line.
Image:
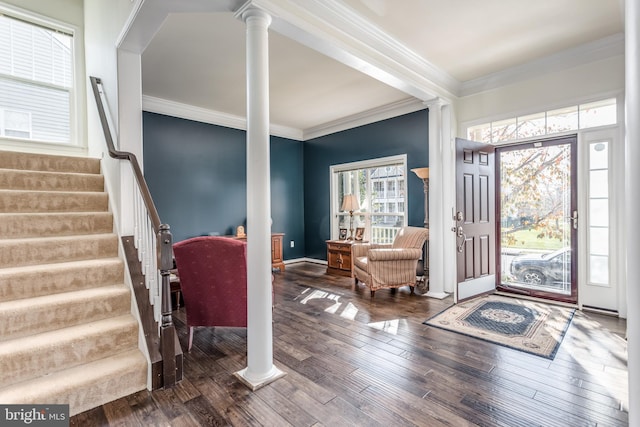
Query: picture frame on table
[[343, 234], [359, 234]]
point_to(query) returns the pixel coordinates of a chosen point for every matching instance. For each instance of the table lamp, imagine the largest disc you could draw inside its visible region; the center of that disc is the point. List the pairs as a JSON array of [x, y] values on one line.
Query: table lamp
[[350, 204]]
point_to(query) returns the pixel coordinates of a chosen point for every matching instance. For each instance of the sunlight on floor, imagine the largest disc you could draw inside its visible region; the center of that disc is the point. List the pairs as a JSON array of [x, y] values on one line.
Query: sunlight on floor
[[349, 312], [390, 326], [614, 380]]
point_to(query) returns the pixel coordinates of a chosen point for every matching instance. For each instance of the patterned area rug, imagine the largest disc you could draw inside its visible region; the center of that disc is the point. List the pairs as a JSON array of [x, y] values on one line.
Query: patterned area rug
[[528, 326]]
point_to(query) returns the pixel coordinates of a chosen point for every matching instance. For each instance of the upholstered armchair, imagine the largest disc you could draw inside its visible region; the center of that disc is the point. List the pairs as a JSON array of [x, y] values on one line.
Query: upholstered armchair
[[213, 281], [390, 266]]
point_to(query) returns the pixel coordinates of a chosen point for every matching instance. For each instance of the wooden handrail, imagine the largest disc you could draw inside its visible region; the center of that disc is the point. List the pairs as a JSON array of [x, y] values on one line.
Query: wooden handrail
[[125, 155], [164, 250]]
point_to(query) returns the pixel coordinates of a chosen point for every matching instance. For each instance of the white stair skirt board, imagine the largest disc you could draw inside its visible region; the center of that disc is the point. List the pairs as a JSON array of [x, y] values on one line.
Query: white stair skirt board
[[273, 375], [477, 286]]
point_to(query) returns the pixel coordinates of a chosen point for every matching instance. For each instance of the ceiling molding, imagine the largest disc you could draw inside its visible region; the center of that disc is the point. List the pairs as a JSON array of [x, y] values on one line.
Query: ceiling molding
[[204, 115], [332, 28], [590, 52], [366, 117]]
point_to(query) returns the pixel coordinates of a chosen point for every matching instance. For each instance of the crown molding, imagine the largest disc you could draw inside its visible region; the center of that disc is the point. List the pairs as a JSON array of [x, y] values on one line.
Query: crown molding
[[334, 29], [204, 115], [589, 52], [366, 117]]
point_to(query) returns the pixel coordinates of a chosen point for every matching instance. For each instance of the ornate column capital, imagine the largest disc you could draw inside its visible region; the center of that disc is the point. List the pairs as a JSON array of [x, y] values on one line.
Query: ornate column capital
[[250, 10]]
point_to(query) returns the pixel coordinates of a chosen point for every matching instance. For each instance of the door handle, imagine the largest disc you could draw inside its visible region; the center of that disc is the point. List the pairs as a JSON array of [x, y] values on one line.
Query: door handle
[[574, 220], [460, 234]]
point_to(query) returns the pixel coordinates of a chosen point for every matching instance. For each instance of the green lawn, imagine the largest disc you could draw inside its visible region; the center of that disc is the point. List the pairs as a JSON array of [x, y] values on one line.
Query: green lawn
[[528, 239]]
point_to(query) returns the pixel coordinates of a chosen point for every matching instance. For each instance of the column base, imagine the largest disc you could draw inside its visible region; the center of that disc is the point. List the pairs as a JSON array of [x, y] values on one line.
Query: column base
[[437, 295], [254, 385]]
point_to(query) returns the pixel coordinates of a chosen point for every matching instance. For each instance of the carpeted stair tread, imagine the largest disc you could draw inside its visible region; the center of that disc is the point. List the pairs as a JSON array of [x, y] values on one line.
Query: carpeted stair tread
[[30, 316], [86, 386], [48, 250], [29, 357], [67, 333], [38, 280], [11, 179], [24, 201], [48, 163], [54, 224]]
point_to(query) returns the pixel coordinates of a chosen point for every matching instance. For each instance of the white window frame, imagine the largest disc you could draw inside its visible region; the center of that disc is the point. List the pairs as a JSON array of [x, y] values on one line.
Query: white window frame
[[545, 111], [75, 91], [334, 207]]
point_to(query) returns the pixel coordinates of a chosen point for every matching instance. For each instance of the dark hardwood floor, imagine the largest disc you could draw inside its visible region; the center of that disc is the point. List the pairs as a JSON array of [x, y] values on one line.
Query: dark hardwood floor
[[352, 360]]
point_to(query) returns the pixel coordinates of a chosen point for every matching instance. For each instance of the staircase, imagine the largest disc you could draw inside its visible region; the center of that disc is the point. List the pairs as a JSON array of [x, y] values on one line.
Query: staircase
[[67, 334]]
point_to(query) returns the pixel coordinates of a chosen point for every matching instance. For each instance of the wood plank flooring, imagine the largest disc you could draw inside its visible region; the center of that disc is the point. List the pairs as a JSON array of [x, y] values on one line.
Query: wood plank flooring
[[355, 361]]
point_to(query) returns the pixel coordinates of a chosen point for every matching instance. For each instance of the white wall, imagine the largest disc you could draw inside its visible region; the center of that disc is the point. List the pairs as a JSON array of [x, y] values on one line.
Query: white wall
[[104, 22], [547, 91]]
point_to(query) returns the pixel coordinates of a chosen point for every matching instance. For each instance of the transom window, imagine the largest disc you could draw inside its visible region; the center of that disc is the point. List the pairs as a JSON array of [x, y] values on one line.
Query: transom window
[[36, 79], [379, 187], [582, 116]]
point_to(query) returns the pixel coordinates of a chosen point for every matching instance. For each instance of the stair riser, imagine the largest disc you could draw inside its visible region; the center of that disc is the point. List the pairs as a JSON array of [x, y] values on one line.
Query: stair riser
[[31, 252], [54, 279], [48, 163], [47, 181], [86, 345], [48, 225], [102, 382], [22, 320], [28, 201]]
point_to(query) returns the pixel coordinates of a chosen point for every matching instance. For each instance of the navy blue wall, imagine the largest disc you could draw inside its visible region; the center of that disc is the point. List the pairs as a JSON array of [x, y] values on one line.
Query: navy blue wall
[[407, 134], [197, 176]]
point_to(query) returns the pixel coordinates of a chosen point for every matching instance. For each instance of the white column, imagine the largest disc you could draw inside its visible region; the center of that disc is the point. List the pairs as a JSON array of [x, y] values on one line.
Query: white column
[[437, 226], [449, 199], [632, 198], [260, 369]]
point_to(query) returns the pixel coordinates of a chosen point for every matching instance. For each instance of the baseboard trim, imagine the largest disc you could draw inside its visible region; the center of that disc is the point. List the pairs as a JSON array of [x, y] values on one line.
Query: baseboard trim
[[299, 260]]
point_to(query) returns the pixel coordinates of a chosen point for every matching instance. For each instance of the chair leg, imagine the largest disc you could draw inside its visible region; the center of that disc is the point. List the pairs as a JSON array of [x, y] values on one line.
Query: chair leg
[[190, 338], [412, 289], [373, 293]]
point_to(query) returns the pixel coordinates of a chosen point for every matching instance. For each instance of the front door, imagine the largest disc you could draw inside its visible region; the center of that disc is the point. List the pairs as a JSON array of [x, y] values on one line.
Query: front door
[[538, 218], [475, 218]]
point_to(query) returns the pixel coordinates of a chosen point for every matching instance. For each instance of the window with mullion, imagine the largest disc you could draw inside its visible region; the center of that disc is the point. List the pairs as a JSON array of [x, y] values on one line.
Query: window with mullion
[[36, 80], [378, 185]]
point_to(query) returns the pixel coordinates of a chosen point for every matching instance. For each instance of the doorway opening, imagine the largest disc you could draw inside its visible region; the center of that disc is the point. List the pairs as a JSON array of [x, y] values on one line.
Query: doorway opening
[[537, 219]]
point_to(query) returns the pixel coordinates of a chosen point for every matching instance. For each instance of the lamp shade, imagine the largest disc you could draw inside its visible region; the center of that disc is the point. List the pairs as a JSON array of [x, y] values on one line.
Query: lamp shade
[[350, 203], [423, 173]]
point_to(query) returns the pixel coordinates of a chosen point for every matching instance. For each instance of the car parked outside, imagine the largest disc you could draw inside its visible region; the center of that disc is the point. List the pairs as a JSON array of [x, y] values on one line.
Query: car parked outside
[[543, 269]]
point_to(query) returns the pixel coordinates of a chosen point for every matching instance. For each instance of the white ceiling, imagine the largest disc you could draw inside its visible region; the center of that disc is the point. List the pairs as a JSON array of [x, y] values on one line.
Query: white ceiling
[[368, 55]]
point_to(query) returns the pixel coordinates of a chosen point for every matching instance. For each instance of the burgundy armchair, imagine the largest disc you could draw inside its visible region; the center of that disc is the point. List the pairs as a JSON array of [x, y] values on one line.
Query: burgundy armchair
[[213, 281]]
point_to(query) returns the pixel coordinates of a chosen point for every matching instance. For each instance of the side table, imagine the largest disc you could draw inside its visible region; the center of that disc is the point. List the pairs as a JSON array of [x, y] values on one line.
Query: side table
[[340, 257]]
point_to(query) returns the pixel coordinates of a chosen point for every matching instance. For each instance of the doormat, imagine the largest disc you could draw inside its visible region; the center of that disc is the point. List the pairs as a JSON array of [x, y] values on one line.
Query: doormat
[[524, 325]]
